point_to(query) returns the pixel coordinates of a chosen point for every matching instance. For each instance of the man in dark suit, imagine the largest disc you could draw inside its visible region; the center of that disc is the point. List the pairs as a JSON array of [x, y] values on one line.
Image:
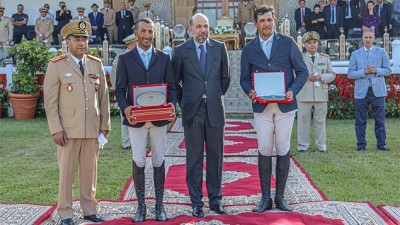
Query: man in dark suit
[[124, 22], [385, 15], [140, 66], [349, 12], [97, 21], [63, 16], [201, 68], [333, 20], [272, 51], [300, 15]]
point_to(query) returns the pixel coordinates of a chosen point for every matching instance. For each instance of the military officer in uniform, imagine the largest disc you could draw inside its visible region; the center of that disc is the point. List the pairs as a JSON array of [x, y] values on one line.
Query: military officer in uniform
[[109, 21], [130, 42], [134, 10], [81, 15], [78, 113], [245, 15], [147, 13], [44, 28], [313, 97], [6, 33]]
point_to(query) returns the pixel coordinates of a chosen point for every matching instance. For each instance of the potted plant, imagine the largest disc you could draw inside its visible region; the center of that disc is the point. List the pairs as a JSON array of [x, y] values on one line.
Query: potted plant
[[31, 58]]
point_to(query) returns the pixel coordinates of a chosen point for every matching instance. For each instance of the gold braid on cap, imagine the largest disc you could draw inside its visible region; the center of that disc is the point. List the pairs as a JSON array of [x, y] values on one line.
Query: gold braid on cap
[[130, 41]]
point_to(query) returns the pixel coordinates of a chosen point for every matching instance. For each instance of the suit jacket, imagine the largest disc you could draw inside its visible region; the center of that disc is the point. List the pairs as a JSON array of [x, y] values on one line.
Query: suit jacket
[[135, 13], [6, 29], [322, 66], [131, 71], [358, 63], [385, 16], [99, 21], [124, 24], [82, 112], [245, 13], [143, 15], [297, 17], [285, 56], [192, 84], [44, 28], [109, 18], [339, 16], [85, 18], [353, 8], [370, 21], [62, 19]]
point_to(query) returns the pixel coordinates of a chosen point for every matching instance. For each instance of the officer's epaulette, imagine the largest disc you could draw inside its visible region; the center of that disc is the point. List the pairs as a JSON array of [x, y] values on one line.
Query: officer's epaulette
[[94, 58], [324, 55], [58, 58]]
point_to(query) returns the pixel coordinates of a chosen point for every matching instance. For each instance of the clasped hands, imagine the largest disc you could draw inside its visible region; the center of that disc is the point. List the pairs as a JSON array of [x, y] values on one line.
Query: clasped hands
[[253, 95], [370, 70], [130, 118]]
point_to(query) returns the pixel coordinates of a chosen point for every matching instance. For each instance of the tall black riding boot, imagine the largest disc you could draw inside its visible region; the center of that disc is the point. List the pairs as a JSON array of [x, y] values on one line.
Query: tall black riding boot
[[139, 182], [159, 180], [282, 172], [264, 172]]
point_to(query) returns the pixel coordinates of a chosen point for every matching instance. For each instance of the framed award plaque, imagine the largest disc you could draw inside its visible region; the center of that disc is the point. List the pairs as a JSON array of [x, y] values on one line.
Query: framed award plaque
[[270, 87], [150, 103]]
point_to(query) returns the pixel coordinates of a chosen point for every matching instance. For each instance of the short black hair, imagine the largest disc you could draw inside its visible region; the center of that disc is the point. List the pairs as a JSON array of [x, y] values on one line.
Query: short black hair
[[144, 20], [262, 10], [317, 6]]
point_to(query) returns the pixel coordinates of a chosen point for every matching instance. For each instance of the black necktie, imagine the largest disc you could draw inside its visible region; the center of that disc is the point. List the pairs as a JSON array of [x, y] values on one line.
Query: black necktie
[[313, 58], [107, 10], [81, 67], [123, 14], [203, 59], [0, 18]]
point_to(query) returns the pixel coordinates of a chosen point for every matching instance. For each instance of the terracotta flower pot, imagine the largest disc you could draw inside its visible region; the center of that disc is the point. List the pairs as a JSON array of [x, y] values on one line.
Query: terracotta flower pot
[[24, 105]]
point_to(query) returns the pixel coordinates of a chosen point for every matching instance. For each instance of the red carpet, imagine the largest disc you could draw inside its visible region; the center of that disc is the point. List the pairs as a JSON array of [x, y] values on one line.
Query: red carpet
[[393, 212], [290, 218], [231, 126]]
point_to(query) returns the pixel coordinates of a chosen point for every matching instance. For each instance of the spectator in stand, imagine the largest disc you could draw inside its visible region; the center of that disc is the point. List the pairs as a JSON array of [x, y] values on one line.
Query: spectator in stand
[[371, 18], [147, 12], [44, 28], [19, 20], [315, 21], [396, 18], [48, 15], [349, 12], [96, 21], [300, 15], [6, 34], [109, 21], [360, 7], [333, 20], [63, 16], [385, 14], [134, 10], [124, 22], [81, 15]]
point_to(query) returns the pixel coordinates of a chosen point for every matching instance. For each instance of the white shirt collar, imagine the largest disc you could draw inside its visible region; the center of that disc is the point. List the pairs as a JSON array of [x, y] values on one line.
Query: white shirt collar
[[315, 55], [140, 51], [77, 60], [372, 48]]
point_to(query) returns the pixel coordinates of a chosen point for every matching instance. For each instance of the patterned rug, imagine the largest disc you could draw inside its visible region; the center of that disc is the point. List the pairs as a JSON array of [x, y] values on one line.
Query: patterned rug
[[235, 144], [240, 184], [21, 214], [325, 212], [231, 126], [393, 212]]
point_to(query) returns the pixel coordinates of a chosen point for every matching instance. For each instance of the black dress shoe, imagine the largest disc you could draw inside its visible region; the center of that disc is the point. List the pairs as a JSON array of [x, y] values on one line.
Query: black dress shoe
[[281, 204], [198, 212], [384, 148], [264, 205], [67, 222], [218, 209], [361, 149], [93, 218]]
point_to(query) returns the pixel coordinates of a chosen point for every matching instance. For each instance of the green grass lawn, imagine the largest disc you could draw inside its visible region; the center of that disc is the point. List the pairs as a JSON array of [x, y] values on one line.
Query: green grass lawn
[[29, 172]]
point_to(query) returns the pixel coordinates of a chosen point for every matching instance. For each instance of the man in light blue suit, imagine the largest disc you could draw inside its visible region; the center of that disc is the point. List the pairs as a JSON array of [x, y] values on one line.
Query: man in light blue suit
[[368, 67], [272, 51]]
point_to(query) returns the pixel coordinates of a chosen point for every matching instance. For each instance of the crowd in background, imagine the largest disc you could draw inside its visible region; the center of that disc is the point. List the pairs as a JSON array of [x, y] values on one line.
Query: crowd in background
[[330, 17], [116, 24]]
